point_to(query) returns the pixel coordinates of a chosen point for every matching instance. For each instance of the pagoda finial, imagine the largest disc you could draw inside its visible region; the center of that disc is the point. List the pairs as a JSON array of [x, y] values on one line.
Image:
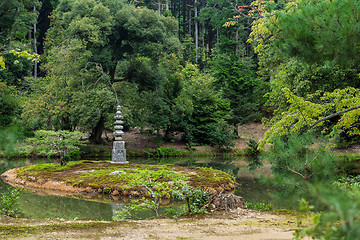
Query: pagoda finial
[[118, 133]]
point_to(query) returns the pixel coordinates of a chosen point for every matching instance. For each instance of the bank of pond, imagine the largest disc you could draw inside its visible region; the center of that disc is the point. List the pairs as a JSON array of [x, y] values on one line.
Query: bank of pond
[[40, 203]]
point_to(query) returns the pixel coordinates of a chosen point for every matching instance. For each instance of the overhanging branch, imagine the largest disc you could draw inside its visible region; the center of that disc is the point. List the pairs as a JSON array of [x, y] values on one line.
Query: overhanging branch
[[334, 115]]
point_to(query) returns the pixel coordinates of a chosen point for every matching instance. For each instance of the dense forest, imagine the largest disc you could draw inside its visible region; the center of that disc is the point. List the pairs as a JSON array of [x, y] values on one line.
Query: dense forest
[[198, 67]]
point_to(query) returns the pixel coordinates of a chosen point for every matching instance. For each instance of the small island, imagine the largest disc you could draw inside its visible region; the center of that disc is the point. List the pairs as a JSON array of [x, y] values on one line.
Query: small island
[[135, 180]]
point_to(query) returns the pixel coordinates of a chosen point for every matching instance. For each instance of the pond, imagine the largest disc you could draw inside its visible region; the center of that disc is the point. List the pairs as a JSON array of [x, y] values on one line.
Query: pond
[[40, 204]]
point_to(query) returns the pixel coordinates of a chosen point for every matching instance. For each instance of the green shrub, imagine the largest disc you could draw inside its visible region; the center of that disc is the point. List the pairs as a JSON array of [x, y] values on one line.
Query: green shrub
[[253, 154], [8, 202], [196, 202], [166, 152], [56, 143], [298, 161], [196, 199], [73, 155], [340, 220], [259, 206]]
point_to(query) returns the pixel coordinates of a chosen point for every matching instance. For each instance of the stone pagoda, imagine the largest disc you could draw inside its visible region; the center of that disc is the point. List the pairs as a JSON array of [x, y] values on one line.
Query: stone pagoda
[[119, 151]]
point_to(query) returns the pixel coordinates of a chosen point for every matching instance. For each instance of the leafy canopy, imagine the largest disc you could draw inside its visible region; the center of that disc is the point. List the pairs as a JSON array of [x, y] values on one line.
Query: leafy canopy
[[305, 113]]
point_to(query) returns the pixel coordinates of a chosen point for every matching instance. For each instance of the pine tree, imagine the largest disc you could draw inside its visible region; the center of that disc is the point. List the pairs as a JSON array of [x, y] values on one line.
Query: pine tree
[[317, 31]]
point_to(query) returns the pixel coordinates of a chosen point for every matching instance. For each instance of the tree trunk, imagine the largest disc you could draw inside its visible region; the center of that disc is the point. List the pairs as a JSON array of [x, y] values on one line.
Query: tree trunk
[[247, 48], [237, 41], [35, 47], [184, 18], [237, 34], [97, 131], [112, 73], [217, 35], [203, 42], [196, 31], [174, 10], [236, 130], [159, 6], [210, 39], [167, 5], [189, 21], [11, 28]]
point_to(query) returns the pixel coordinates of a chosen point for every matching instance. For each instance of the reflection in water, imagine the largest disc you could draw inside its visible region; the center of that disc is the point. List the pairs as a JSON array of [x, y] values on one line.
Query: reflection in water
[[35, 206], [116, 208], [78, 207]]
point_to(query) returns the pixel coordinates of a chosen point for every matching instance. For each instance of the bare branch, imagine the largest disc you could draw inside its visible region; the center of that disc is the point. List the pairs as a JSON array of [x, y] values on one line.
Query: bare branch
[[296, 172], [311, 175], [314, 158], [334, 115]]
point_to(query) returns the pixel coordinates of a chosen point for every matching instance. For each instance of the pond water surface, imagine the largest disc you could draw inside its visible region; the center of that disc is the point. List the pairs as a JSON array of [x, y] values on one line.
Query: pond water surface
[[40, 204]]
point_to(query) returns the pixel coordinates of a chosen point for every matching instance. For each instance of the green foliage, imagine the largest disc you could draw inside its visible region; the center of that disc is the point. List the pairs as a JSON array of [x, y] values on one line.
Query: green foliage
[[186, 102], [87, 41], [89, 20], [16, 19], [340, 220], [237, 80], [306, 169], [8, 202], [196, 199], [10, 139], [162, 106], [144, 72], [252, 149], [300, 55], [297, 161], [319, 30], [263, 207], [163, 152], [196, 202], [12, 130], [113, 31], [302, 114], [17, 65], [159, 114], [303, 79], [306, 31], [157, 192], [253, 154], [91, 110], [136, 206], [45, 108], [16, 54], [131, 104], [350, 183], [58, 143], [165, 177], [8, 105], [96, 47], [204, 123]]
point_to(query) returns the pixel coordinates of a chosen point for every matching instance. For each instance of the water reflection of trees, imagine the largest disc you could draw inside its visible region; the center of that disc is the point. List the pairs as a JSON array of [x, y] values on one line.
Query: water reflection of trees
[[219, 163], [35, 206]]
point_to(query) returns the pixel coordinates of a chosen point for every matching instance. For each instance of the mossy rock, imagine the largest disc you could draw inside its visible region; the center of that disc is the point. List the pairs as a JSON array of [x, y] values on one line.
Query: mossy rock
[[119, 179]]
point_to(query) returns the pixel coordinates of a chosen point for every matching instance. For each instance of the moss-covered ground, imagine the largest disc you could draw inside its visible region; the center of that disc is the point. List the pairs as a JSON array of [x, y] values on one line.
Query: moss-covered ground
[[107, 177]]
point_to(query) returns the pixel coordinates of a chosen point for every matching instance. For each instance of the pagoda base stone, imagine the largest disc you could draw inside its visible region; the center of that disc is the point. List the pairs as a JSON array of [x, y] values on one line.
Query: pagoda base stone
[[119, 152]]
